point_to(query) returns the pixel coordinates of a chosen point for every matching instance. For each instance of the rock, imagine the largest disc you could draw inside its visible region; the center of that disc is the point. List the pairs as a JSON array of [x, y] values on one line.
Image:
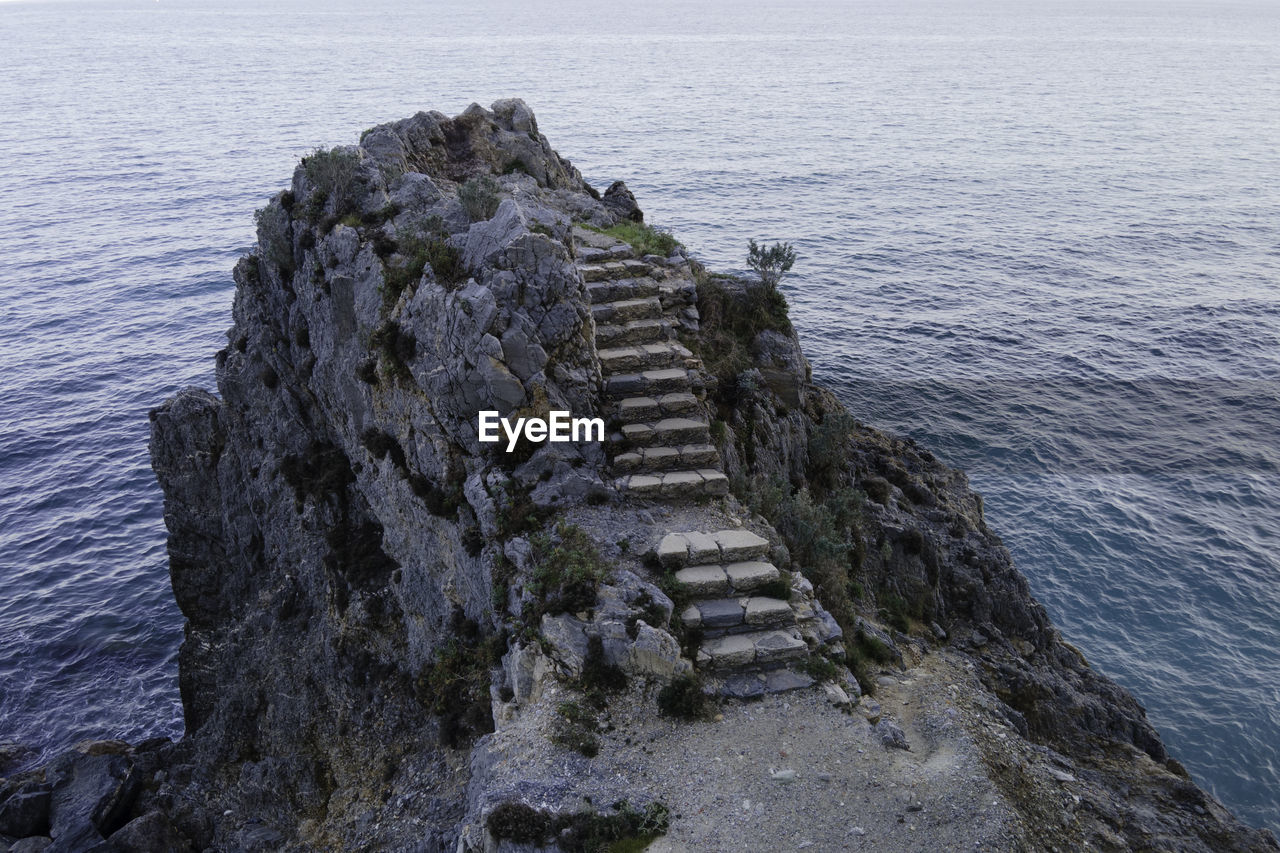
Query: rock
[[891, 734], [25, 810], [870, 709], [91, 797], [619, 200], [36, 844], [104, 747], [654, 652], [837, 696], [13, 754], [150, 833]]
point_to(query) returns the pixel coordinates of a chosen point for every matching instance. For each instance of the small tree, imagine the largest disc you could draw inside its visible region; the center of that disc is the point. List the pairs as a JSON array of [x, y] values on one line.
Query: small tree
[[772, 263]]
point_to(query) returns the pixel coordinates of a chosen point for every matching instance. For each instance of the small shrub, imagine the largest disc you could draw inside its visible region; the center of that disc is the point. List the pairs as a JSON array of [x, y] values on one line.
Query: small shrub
[[519, 823], [683, 698], [567, 571], [479, 197], [576, 728], [878, 489], [274, 237], [396, 347], [320, 471], [335, 175], [456, 685], [732, 314], [628, 829], [820, 668], [771, 263], [424, 246]]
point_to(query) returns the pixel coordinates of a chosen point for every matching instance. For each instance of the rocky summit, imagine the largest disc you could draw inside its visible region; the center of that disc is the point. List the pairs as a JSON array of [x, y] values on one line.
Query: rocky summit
[[742, 621]]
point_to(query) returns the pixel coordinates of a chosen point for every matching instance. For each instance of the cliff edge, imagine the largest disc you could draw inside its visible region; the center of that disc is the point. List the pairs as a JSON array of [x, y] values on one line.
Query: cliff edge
[[735, 618]]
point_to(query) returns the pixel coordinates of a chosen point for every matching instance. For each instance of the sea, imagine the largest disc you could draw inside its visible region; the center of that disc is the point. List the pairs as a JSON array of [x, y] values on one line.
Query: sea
[[1042, 238]]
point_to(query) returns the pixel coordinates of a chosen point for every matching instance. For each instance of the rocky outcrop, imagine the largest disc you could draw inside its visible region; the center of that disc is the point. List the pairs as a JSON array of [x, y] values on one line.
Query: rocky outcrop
[[400, 636]]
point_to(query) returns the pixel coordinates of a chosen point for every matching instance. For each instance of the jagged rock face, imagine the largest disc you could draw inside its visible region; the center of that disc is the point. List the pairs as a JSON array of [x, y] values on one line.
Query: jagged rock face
[[329, 510]]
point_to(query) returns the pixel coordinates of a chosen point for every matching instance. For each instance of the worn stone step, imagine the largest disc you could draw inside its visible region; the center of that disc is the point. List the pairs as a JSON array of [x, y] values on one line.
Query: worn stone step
[[722, 546], [755, 649], [753, 684], [622, 310], [632, 410], [614, 269], [611, 290], [667, 432], [602, 254], [703, 482], [631, 333], [666, 458], [653, 356], [726, 580], [649, 382], [724, 614]]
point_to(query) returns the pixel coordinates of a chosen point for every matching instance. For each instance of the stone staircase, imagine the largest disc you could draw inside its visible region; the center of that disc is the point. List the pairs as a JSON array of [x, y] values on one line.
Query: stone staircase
[[750, 641], [660, 441]]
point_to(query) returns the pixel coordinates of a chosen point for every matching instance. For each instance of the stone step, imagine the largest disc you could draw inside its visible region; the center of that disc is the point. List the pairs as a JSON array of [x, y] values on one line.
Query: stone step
[[667, 458], [622, 288], [614, 269], [649, 382], [756, 649], [726, 580], [634, 332], [636, 409], [678, 550], [703, 482], [668, 432], [723, 615], [602, 254], [751, 685], [639, 357], [646, 308]]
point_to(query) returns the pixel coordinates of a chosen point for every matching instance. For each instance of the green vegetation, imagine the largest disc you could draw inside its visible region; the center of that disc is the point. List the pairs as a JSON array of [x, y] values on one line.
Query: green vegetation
[[456, 685], [733, 312], [683, 698], [645, 239], [576, 728], [319, 471], [567, 572], [626, 831], [480, 198], [424, 244], [771, 263], [820, 668], [273, 237], [334, 173], [396, 348]]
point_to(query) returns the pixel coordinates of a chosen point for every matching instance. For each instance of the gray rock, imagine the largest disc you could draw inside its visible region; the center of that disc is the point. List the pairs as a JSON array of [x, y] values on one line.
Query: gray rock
[[891, 734], [35, 844], [619, 200], [150, 833], [25, 811]]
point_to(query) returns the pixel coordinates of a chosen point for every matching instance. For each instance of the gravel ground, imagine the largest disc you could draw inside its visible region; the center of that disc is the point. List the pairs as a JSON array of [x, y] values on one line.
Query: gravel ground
[[789, 772]]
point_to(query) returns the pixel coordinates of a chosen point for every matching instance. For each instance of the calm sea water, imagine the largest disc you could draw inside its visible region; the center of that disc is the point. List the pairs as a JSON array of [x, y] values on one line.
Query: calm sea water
[[1040, 237]]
